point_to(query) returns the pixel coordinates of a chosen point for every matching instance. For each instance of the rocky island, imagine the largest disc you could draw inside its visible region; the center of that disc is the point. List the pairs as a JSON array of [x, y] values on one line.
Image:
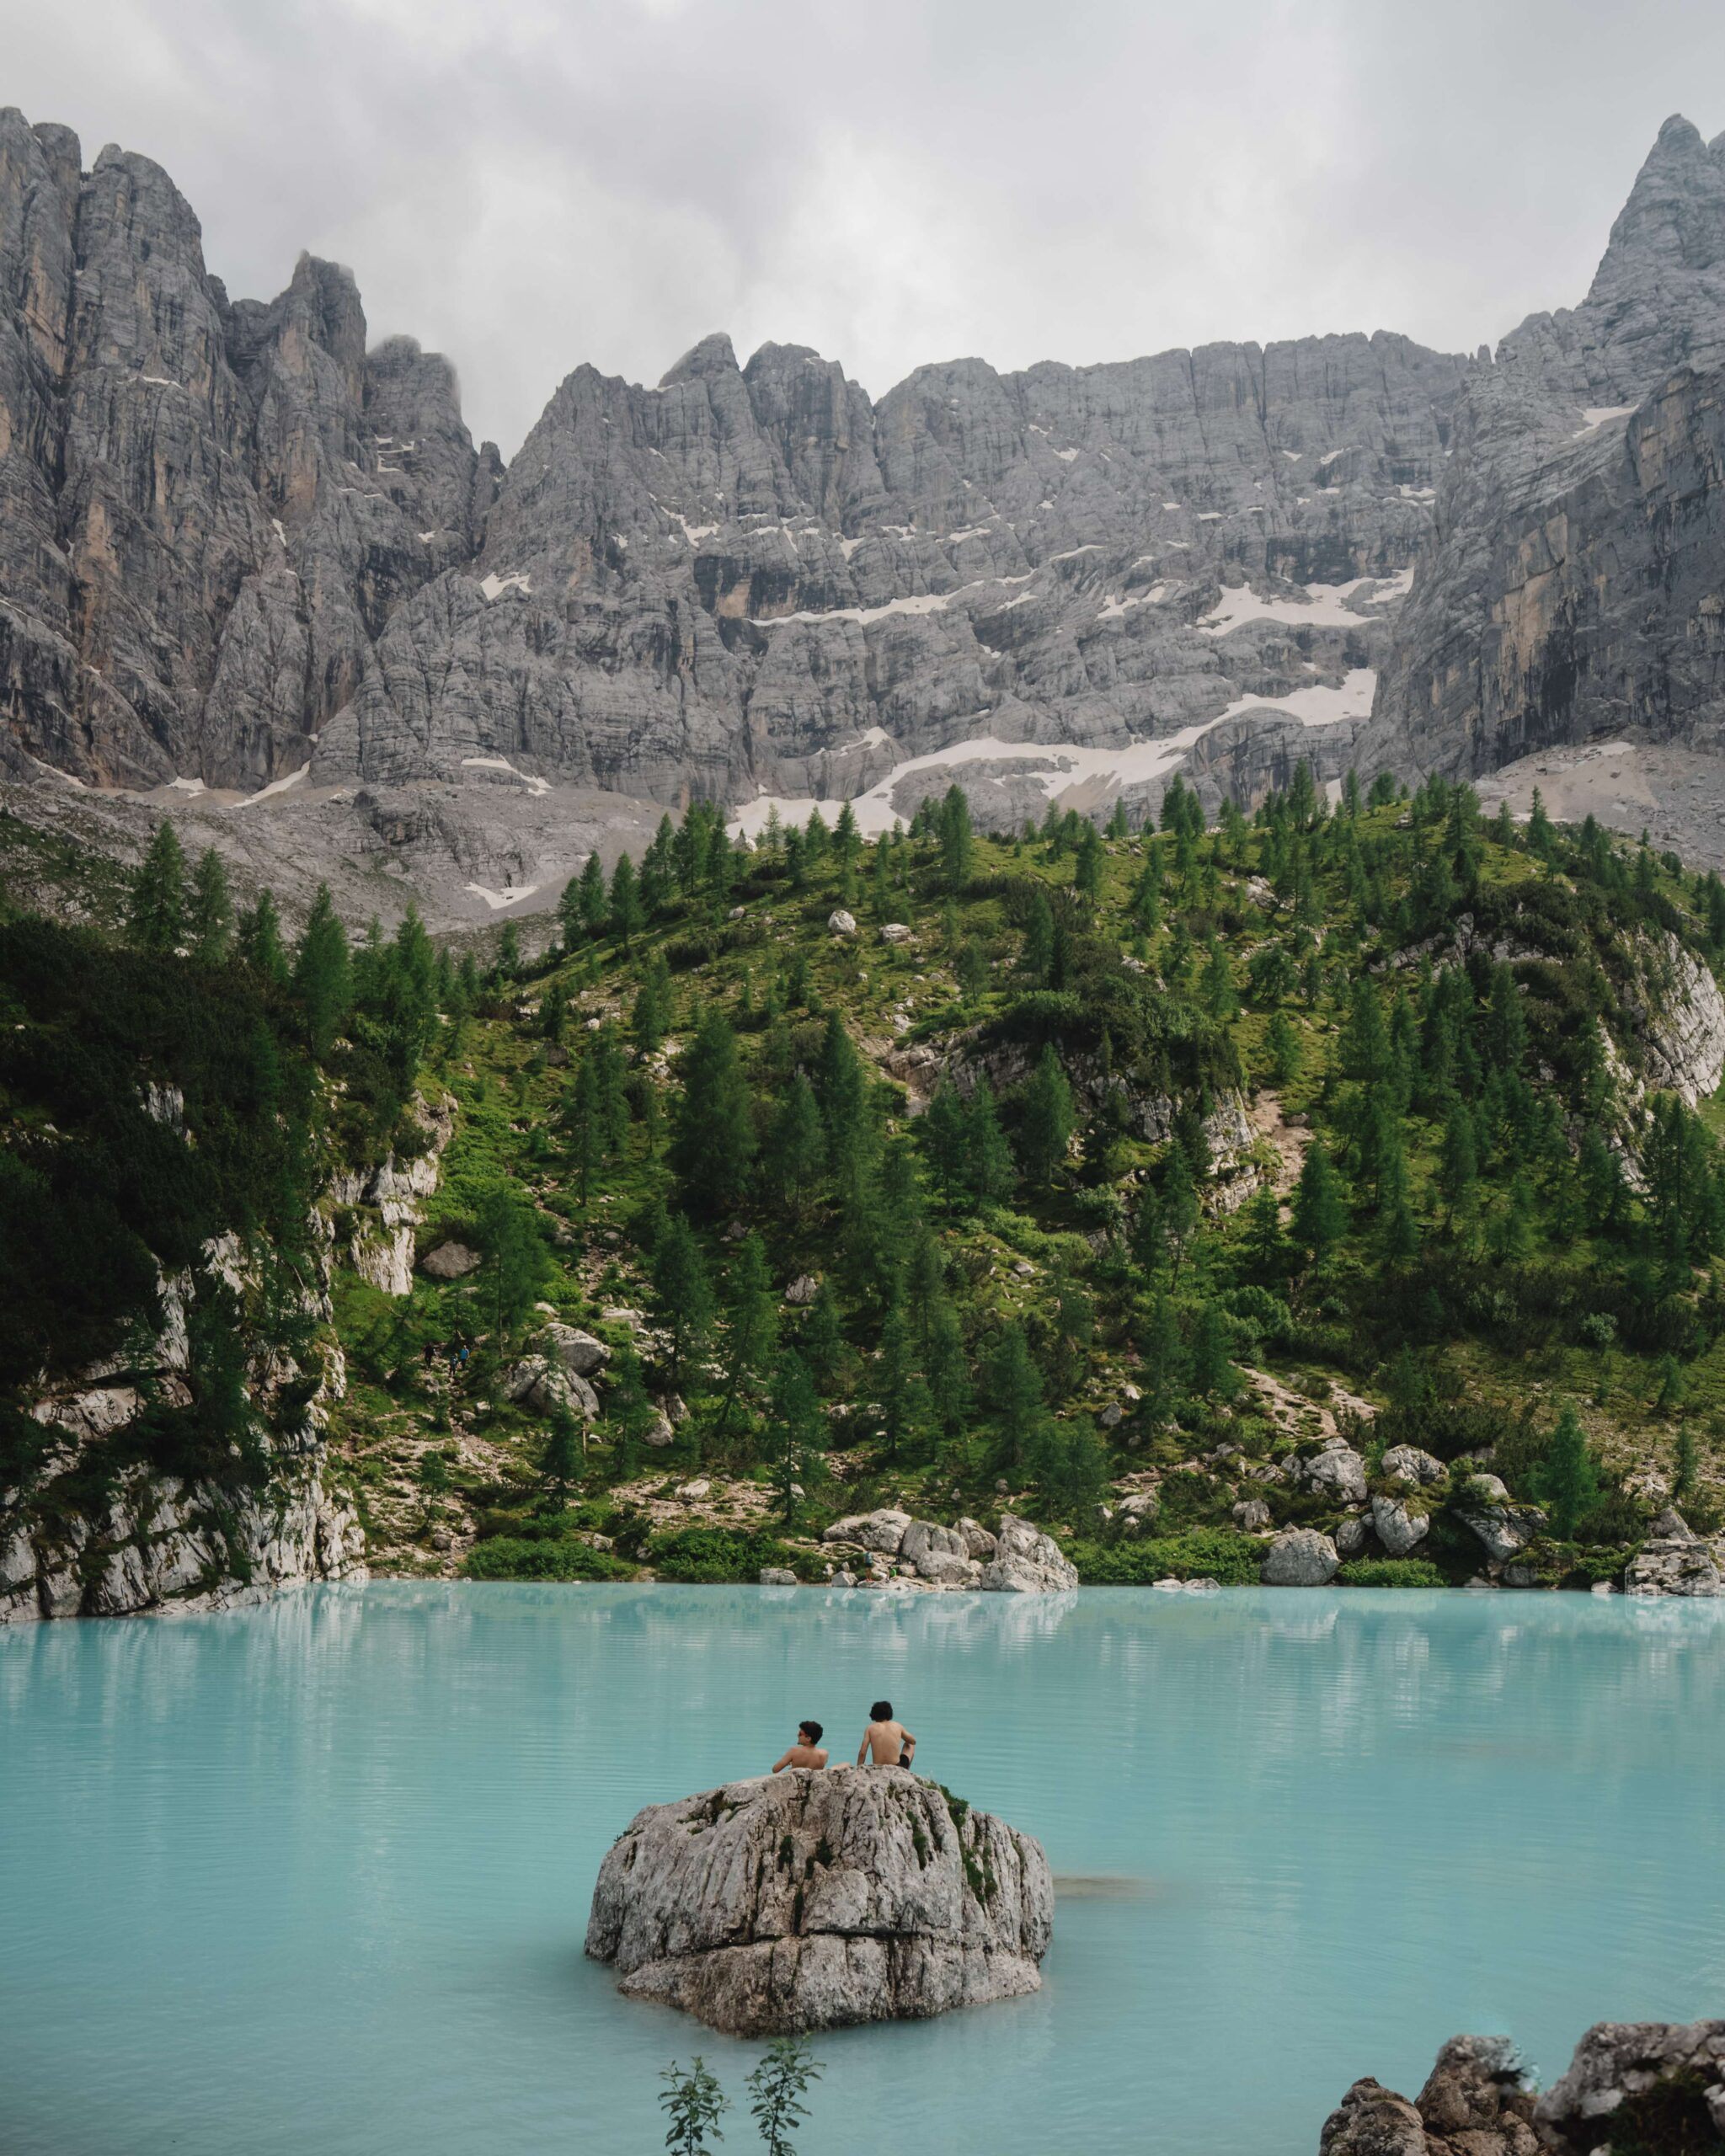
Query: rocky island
[[814, 1900]]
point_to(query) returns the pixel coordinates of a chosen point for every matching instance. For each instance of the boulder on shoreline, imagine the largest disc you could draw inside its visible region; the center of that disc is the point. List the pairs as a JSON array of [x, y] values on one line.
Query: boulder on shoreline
[[1662, 2085], [814, 1900]]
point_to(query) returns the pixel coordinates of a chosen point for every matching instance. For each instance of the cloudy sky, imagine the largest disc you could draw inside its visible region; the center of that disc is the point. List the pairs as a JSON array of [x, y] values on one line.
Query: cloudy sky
[[528, 183]]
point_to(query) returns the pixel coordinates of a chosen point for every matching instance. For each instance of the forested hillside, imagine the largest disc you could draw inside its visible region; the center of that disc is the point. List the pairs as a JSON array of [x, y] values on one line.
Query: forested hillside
[[1347, 1171]]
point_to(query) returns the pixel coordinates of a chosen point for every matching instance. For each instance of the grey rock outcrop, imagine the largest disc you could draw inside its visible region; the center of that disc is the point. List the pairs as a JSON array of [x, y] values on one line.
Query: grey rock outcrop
[[1300, 1557], [1675, 1564], [1571, 586], [1026, 1562], [813, 1901], [1476, 2102], [1336, 1471], [1631, 2084], [1503, 1527], [1617, 2061], [1400, 1526]]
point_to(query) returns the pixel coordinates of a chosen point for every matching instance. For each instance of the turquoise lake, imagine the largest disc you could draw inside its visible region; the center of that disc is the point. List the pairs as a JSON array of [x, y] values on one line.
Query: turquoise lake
[[313, 1876]]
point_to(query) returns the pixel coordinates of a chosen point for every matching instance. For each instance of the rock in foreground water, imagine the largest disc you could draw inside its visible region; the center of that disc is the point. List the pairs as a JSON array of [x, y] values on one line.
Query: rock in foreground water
[[1653, 2085], [811, 1901]]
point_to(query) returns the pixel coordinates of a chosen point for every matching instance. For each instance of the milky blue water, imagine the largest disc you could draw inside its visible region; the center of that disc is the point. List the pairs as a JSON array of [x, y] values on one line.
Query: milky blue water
[[314, 1876]]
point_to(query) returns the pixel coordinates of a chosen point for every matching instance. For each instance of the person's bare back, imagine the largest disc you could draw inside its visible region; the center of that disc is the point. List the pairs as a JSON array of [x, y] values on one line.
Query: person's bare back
[[806, 1752], [885, 1742]]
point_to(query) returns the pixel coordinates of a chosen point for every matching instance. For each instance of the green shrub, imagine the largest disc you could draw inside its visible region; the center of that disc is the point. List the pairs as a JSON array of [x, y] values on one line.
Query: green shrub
[[714, 1556], [1216, 1553], [508, 1557], [1391, 1571]]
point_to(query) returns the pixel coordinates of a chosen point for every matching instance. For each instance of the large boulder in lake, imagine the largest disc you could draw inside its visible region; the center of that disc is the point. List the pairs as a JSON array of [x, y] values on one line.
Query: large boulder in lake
[[1027, 1561], [811, 1901]]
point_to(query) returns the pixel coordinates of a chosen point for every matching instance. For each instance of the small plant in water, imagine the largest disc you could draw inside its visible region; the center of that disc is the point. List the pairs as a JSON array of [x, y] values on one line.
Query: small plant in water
[[777, 2087], [692, 2102]]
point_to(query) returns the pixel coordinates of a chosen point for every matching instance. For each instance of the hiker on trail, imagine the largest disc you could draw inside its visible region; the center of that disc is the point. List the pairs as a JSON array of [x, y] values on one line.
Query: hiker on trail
[[885, 1742], [806, 1752]]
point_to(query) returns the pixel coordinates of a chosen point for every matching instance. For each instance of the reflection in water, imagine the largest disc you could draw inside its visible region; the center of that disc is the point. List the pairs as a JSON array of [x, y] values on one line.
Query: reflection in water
[[353, 1831]]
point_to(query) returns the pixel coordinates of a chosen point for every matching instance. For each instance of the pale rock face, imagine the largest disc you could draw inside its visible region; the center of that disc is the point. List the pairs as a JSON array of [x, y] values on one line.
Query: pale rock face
[[1250, 1514], [882, 1531], [809, 1901], [922, 1538], [1409, 1463], [979, 1543], [1618, 2059], [578, 1352], [803, 1290], [537, 1383], [1351, 1537], [1300, 1557], [1026, 1562], [777, 1575], [1572, 588], [450, 1261], [1503, 1527], [1679, 1565], [1338, 1471], [1399, 1528], [1476, 2102], [839, 922]]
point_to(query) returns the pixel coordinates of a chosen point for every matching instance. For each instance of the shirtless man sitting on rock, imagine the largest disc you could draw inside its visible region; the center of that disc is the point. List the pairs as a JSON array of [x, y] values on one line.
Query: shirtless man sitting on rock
[[885, 1742], [806, 1752]]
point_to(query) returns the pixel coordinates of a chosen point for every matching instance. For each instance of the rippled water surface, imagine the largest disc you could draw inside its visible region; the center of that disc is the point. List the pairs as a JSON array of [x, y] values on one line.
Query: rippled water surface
[[313, 1876]]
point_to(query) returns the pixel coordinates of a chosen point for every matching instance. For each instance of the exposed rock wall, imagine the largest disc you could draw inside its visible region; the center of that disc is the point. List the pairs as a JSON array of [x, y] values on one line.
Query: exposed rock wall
[[809, 1901], [237, 542], [1637, 2085], [1573, 585]]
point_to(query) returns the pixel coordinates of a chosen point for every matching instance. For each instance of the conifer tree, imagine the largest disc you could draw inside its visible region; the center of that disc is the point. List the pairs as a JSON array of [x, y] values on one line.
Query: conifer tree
[[822, 1340], [1319, 1210], [260, 945], [1568, 1475], [509, 962], [1086, 869], [955, 845], [796, 1431], [1162, 1358], [589, 896], [713, 1142], [1176, 1198], [750, 1328], [626, 917], [323, 975], [1212, 1374], [945, 1138], [972, 970], [1046, 1122], [156, 915], [560, 1460], [1458, 1164], [678, 1272], [1282, 1046], [947, 1374], [796, 1152], [1039, 937], [516, 1262], [210, 917], [583, 1126], [989, 1157], [1014, 1396]]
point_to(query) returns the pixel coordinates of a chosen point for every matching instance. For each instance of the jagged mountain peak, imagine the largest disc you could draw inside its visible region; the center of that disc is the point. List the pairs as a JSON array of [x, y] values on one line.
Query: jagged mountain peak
[[714, 355]]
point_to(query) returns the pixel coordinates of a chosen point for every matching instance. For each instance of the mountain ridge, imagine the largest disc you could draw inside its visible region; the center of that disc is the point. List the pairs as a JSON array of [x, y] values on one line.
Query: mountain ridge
[[242, 552]]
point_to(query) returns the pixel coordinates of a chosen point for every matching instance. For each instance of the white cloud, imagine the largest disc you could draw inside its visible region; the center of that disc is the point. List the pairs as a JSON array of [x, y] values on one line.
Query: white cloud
[[529, 184]]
